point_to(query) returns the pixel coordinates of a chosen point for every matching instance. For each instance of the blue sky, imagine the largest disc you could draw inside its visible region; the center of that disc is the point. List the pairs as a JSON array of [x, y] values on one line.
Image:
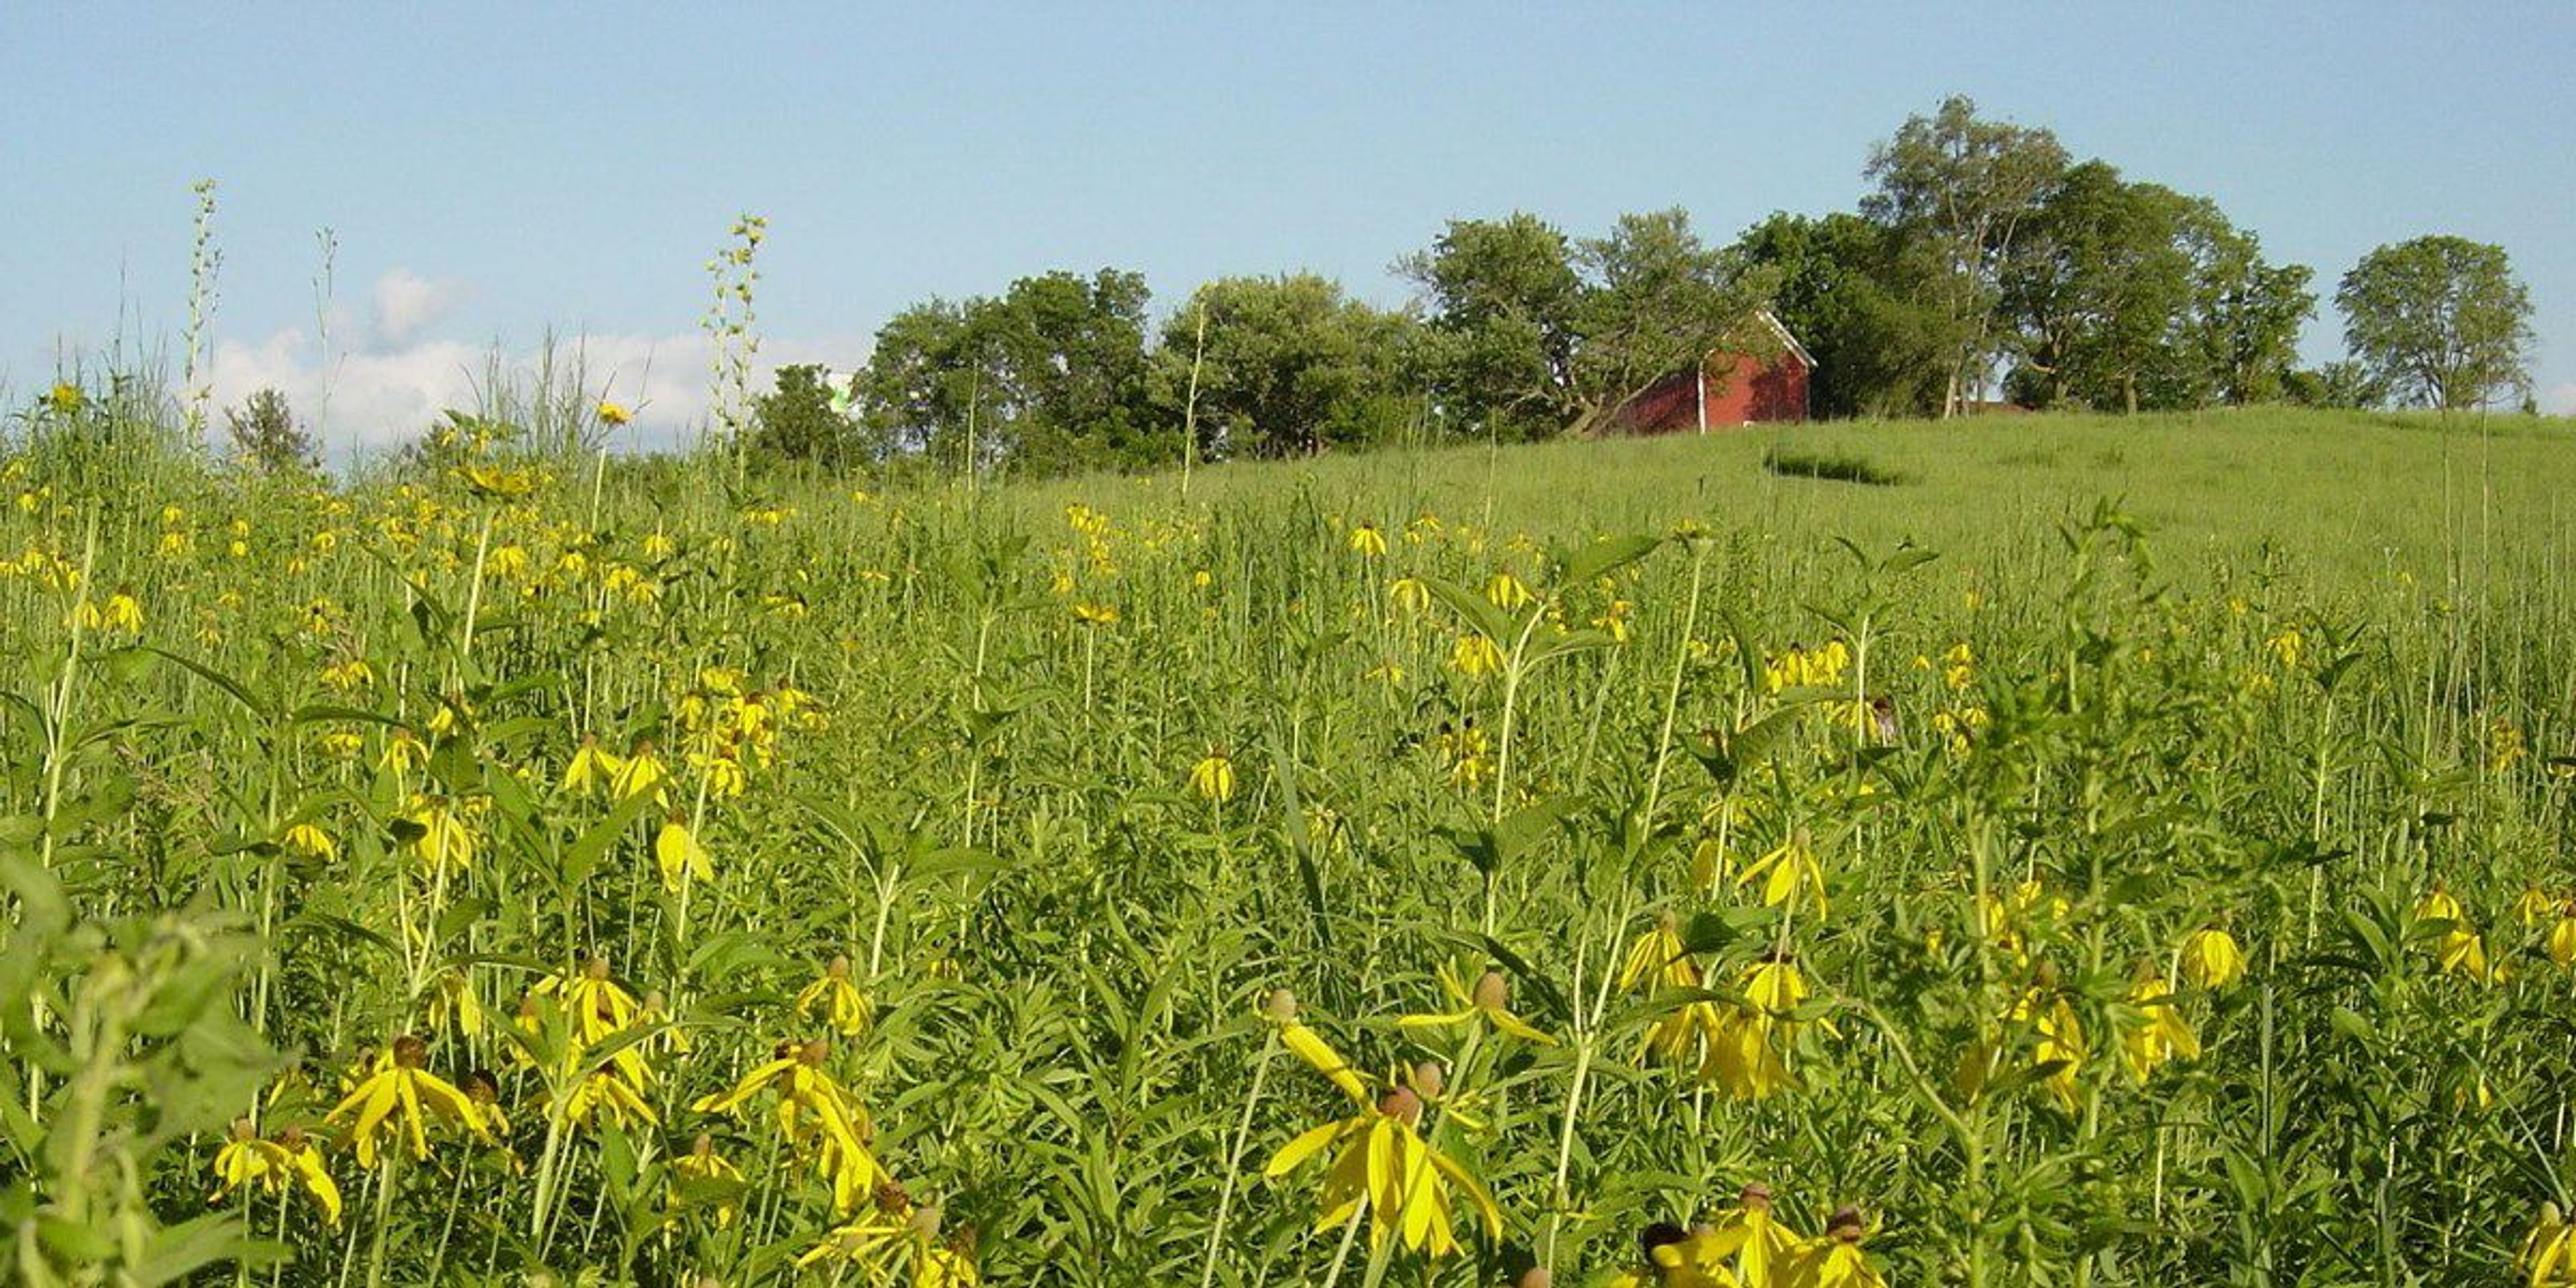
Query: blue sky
[[495, 170]]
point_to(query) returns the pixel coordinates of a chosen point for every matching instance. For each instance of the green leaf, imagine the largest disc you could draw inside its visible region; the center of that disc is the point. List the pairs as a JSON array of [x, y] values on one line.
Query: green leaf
[[221, 681], [1603, 557], [585, 855], [1478, 610]]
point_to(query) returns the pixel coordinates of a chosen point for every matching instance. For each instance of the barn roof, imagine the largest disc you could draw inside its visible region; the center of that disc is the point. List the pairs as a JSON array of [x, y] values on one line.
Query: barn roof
[[1772, 321]]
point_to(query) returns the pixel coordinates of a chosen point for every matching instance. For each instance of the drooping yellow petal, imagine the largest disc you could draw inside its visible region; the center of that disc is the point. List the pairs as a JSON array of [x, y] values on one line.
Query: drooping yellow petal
[[1311, 1047]]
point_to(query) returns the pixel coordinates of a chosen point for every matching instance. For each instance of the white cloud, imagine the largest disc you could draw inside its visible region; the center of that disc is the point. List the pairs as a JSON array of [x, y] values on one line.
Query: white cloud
[[2559, 400], [383, 398], [406, 302]]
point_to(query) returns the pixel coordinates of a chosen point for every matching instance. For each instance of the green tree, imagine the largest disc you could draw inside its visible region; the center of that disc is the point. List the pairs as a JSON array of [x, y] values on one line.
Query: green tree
[[1067, 354], [1958, 190], [2101, 284], [1291, 365], [919, 391], [264, 435], [2441, 321], [1504, 303], [2248, 320], [2345, 385], [796, 421], [1048, 377], [1835, 283], [1656, 299]]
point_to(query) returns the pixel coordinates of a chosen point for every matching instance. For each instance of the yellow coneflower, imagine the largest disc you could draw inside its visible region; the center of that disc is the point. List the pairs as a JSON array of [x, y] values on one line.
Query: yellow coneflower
[[1489, 1001], [1474, 655], [593, 766], [452, 1003], [640, 773], [2060, 1045], [398, 1095], [2562, 936], [1411, 594], [1382, 1166], [596, 1007], [1791, 877], [120, 612], [1507, 592], [2211, 959], [405, 752], [679, 855], [493, 482], [444, 843], [1751, 1236], [1367, 541], [2458, 948], [2288, 647], [1213, 777], [2548, 1255], [1834, 1261], [814, 1113], [835, 1000], [1658, 959], [309, 840], [2157, 1032], [702, 1178], [291, 1159], [1746, 1051]]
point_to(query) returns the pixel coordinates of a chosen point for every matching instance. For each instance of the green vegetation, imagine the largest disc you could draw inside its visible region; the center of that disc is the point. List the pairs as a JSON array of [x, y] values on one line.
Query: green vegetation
[[779, 881]]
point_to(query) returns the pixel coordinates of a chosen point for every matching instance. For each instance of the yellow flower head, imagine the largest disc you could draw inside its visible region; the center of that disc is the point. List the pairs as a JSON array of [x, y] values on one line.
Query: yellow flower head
[[679, 855], [1474, 656], [400, 1098], [834, 999], [2211, 959], [613, 414], [1213, 777]]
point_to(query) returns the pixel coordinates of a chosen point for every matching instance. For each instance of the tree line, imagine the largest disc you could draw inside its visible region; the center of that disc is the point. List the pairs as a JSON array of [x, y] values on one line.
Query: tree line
[[1984, 264]]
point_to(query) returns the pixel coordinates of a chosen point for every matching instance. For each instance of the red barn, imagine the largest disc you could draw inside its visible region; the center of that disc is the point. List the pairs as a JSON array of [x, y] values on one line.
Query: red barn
[[1758, 377]]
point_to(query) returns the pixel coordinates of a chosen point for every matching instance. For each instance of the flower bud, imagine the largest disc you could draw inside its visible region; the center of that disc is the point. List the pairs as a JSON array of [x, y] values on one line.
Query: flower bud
[[1281, 1005], [1493, 992], [1429, 1079], [1402, 1105]]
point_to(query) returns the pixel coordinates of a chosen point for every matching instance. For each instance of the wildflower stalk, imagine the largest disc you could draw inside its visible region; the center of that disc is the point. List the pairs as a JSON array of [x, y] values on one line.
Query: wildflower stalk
[[473, 598], [1190, 408], [1342, 1254], [58, 714], [1234, 1158], [1673, 692], [384, 1217]]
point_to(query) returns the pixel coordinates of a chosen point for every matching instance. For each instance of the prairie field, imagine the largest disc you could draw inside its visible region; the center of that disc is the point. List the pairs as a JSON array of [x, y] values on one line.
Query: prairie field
[[2032, 850]]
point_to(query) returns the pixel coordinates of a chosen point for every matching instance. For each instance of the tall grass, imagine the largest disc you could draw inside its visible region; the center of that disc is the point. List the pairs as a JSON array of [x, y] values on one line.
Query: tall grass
[[2281, 675]]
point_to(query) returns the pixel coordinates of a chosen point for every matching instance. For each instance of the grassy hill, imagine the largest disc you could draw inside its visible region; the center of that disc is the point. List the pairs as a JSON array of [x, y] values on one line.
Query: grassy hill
[[2165, 881]]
